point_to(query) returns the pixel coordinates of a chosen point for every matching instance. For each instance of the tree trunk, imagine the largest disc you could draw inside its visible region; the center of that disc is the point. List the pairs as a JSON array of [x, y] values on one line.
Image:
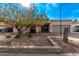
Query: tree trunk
[[65, 35], [37, 29], [19, 33]]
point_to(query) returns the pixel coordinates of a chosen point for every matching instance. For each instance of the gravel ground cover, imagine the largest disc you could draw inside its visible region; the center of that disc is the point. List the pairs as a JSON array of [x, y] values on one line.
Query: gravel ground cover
[[66, 47], [35, 40]]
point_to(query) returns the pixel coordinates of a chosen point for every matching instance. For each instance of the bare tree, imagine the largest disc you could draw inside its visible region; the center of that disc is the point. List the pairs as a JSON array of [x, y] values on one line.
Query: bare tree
[[23, 19]]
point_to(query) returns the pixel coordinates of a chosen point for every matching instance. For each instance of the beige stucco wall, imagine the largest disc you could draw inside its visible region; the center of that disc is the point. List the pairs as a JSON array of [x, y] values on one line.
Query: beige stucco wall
[[55, 26], [61, 23]]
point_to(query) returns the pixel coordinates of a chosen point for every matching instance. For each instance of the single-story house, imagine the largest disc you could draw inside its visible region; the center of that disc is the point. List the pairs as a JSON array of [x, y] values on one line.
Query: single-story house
[[74, 28], [53, 26]]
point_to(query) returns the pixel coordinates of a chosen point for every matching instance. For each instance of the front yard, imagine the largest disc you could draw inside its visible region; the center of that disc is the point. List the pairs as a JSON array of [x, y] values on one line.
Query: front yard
[[39, 42]]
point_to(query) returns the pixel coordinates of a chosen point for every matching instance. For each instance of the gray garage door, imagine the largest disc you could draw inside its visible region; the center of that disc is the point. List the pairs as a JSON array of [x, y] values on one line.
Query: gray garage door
[[56, 29]]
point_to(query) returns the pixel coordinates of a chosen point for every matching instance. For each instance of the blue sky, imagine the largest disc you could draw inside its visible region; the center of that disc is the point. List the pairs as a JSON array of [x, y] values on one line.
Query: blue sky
[[68, 10], [52, 10]]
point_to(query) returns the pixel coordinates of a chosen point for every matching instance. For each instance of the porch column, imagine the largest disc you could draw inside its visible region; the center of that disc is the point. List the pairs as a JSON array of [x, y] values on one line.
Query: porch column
[[37, 29], [50, 27]]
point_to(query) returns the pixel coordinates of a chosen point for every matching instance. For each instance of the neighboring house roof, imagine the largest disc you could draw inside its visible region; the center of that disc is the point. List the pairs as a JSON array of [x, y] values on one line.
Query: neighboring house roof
[[77, 22], [61, 22]]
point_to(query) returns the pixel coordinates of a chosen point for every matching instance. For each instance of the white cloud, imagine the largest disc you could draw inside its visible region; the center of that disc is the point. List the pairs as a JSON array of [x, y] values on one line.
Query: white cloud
[[13, 1], [32, 1], [41, 1], [25, 3]]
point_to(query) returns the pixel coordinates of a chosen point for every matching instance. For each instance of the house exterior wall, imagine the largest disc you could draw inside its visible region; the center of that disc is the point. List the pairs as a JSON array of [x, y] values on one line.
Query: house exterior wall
[[62, 22], [56, 28], [55, 25]]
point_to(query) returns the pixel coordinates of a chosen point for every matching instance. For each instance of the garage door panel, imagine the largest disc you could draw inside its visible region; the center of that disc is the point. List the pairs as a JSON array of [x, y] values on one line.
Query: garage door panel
[[56, 29]]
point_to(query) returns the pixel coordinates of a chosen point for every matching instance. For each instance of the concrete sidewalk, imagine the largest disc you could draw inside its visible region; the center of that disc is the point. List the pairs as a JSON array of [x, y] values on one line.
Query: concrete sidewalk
[[73, 40], [39, 54]]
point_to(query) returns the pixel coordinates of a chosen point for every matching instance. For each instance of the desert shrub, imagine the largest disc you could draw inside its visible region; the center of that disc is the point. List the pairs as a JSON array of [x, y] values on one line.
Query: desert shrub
[[8, 37], [17, 36]]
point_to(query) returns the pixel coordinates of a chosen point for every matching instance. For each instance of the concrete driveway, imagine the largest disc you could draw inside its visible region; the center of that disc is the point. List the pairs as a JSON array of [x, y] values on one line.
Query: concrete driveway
[[74, 38]]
